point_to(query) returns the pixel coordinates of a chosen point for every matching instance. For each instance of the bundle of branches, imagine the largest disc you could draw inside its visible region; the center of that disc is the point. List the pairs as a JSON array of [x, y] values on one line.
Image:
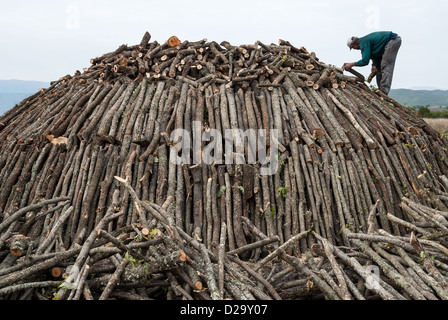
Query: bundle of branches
[[89, 185]]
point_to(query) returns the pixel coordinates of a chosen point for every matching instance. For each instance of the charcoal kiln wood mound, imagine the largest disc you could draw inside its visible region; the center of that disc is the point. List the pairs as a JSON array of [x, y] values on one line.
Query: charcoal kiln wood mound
[[92, 205]]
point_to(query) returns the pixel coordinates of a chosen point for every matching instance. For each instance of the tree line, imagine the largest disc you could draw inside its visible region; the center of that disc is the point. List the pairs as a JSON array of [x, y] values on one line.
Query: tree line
[[425, 112]]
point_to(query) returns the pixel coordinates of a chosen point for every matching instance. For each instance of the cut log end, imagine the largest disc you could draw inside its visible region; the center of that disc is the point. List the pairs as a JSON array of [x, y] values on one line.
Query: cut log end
[[309, 67], [318, 132], [16, 252], [173, 41], [198, 285], [413, 131], [183, 256], [145, 231], [19, 244], [58, 140], [56, 272]]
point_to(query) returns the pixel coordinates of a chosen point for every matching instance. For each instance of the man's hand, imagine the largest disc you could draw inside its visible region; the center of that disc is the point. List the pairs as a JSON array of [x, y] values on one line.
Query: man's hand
[[349, 65], [374, 68]]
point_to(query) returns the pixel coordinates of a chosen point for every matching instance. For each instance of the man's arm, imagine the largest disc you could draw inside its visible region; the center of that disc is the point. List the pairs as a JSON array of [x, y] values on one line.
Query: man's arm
[[365, 57], [376, 63], [349, 65]]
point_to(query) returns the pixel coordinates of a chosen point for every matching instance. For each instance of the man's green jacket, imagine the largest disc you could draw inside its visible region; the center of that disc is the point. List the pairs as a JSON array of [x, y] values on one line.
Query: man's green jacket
[[372, 47]]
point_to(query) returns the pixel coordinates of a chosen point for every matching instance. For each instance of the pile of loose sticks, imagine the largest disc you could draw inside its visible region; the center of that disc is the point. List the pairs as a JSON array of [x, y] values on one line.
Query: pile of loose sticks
[[93, 207]]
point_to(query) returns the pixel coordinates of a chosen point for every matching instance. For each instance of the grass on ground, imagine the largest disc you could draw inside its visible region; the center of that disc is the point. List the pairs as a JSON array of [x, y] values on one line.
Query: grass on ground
[[441, 124]]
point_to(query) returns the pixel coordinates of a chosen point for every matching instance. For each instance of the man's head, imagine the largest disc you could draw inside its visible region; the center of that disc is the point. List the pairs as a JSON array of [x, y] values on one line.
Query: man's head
[[353, 43]]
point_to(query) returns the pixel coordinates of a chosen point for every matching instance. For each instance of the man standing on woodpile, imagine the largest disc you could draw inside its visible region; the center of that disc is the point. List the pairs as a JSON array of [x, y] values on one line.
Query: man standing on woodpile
[[382, 48]]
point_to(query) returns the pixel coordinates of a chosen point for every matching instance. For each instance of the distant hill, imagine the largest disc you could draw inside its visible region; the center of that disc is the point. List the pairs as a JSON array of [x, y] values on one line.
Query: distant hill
[[413, 98], [14, 91], [9, 100]]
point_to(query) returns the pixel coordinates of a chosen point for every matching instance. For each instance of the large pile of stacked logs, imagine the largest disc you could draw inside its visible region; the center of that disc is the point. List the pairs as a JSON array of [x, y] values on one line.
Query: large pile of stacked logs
[[92, 207]]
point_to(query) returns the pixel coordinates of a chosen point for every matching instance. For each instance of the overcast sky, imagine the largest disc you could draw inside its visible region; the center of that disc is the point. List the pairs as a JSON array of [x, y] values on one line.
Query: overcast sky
[[45, 40]]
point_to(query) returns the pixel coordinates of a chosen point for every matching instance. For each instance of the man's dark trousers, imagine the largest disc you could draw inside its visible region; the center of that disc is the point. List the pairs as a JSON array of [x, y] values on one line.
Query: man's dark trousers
[[385, 74]]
